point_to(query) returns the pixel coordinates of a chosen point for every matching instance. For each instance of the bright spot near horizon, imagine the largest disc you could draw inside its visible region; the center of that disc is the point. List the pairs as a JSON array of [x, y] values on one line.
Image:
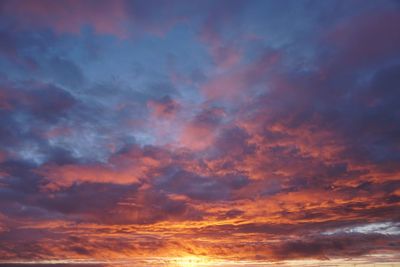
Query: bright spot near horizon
[[191, 261]]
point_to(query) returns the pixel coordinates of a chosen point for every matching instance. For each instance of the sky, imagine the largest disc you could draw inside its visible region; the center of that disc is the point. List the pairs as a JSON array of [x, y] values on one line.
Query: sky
[[200, 133]]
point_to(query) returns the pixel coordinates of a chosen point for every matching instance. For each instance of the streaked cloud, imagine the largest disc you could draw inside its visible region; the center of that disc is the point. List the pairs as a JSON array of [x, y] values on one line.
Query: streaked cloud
[[233, 133]]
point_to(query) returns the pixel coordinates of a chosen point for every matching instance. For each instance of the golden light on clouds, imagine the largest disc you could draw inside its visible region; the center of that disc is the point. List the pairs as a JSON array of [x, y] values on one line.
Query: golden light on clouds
[[190, 133]]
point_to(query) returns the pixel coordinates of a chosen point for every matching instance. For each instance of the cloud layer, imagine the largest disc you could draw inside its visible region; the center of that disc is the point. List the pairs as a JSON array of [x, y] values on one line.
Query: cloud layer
[[233, 130]]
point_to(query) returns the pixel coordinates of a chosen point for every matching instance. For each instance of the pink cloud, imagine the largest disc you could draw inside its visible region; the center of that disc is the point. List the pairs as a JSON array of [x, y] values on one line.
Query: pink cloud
[[235, 83], [68, 16], [201, 132], [366, 38], [197, 137], [126, 168], [3, 156], [163, 108], [224, 53]]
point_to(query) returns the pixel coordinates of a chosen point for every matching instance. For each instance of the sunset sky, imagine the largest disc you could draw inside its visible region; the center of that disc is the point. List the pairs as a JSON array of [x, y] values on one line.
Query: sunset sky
[[200, 133]]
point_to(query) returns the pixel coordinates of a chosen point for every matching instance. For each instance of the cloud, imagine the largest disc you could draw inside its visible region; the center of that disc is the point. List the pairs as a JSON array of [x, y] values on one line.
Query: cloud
[[200, 132], [120, 18], [69, 16], [128, 167], [164, 108], [371, 33], [233, 84], [278, 146]]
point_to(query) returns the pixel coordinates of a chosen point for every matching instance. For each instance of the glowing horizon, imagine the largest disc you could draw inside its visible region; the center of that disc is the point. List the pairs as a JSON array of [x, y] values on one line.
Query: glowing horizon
[[195, 261]]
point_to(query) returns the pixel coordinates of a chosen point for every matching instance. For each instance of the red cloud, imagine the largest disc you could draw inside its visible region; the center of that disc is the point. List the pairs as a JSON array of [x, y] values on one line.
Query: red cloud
[[200, 133], [129, 167]]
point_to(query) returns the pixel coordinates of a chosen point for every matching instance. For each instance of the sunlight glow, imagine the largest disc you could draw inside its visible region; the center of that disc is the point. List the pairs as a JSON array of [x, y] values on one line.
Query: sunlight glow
[[191, 261]]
